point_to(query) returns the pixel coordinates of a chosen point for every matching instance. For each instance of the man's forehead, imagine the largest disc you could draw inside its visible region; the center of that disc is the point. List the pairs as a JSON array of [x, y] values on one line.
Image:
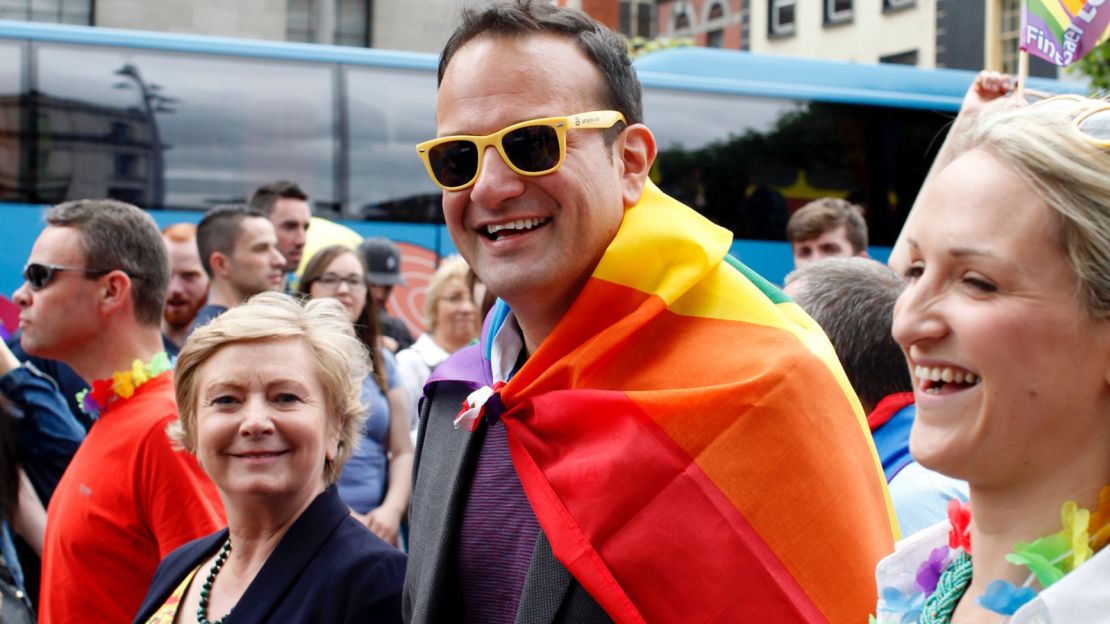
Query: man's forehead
[[58, 245], [253, 229], [288, 208], [493, 81], [182, 250]]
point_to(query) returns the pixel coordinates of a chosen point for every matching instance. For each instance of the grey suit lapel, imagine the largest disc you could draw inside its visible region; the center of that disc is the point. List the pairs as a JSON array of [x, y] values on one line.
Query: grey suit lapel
[[545, 586], [444, 461], [552, 595]]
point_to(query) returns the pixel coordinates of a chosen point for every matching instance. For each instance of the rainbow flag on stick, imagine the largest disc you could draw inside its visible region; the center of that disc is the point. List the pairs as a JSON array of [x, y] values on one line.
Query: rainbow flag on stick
[[689, 441], [1063, 31]]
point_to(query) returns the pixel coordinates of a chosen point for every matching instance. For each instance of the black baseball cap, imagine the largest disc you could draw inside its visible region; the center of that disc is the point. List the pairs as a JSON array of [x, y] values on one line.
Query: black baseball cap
[[383, 261]]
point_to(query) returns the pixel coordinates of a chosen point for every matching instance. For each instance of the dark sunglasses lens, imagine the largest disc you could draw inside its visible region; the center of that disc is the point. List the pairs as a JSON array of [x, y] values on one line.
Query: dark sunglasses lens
[[37, 275], [533, 148], [454, 163]]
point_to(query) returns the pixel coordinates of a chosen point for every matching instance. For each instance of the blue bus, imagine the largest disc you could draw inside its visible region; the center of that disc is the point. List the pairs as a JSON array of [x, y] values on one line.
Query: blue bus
[[177, 123]]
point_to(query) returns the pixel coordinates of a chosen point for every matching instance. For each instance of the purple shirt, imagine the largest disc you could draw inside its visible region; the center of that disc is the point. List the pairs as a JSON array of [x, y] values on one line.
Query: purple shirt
[[498, 535]]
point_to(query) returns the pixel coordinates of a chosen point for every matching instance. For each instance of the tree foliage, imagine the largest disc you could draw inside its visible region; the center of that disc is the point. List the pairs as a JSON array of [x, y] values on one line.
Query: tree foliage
[[639, 46], [1096, 65]]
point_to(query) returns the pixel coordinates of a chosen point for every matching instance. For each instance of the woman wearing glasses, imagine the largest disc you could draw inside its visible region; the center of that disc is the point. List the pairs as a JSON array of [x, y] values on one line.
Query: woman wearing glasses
[[1005, 323], [377, 479]]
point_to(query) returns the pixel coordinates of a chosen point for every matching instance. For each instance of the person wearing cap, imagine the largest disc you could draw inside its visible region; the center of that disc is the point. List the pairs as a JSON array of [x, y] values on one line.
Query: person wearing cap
[[383, 261]]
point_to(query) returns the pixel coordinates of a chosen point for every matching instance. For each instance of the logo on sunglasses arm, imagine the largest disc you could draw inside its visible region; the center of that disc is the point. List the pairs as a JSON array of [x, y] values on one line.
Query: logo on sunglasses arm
[[578, 121]]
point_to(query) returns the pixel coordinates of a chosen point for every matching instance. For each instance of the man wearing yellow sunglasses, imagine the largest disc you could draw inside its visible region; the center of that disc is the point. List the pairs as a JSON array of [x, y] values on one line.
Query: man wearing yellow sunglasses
[[647, 430]]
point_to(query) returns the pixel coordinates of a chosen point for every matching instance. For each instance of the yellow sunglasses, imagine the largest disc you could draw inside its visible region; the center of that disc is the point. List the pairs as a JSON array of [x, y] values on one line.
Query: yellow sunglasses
[[1092, 120], [531, 148]]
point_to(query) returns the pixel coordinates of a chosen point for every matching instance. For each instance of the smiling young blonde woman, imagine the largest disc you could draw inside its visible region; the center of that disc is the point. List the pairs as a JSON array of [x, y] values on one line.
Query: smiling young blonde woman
[[1005, 324]]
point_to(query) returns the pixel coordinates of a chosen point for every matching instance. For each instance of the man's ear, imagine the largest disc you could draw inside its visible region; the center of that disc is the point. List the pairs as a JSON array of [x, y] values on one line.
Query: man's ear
[[636, 147], [218, 261], [115, 291]]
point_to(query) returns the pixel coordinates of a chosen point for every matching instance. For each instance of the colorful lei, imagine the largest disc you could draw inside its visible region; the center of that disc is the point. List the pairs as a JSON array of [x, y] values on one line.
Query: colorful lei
[[95, 400], [1048, 559]]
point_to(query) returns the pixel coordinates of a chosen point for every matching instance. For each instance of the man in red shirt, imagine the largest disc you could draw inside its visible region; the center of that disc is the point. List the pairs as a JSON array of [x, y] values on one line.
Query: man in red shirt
[[95, 285]]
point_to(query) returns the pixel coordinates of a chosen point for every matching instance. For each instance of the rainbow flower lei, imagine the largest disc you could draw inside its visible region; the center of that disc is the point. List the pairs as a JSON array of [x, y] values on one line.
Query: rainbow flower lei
[[1048, 559], [123, 384]]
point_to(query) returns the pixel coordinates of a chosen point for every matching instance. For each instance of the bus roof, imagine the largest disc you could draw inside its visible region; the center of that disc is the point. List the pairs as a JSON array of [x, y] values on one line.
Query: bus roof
[[744, 73], [177, 42], [688, 69]]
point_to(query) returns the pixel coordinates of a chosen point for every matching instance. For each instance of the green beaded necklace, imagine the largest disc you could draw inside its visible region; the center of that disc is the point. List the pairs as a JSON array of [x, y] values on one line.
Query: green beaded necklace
[[951, 586], [202, 608]]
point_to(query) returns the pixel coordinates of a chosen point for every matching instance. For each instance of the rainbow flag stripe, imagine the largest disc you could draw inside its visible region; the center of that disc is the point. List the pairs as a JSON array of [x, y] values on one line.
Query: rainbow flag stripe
[[1063, 31], [689, 442]]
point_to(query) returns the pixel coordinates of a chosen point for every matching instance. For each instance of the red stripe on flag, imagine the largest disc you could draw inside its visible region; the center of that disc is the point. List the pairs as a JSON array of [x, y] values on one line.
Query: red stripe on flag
[[667, 533]]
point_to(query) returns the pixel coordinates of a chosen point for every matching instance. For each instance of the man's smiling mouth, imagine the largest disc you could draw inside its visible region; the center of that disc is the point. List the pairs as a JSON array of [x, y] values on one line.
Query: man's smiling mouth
[[495, 231]]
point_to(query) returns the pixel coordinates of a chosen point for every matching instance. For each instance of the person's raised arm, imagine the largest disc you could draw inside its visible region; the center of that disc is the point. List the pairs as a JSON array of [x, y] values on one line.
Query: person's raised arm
[[988, 88], [48, 432]]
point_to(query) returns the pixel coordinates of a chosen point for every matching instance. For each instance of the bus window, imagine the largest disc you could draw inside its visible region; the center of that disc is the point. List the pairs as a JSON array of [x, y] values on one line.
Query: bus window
[[180, 130], [389, 111], [11, 120], [771, 156]]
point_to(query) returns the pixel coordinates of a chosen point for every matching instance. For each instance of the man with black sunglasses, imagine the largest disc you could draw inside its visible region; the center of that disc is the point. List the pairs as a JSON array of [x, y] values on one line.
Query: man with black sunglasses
[[648, 430], [94, 289]]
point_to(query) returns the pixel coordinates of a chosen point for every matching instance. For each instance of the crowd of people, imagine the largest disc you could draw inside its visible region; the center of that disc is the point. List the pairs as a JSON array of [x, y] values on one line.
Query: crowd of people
[[210, 422]]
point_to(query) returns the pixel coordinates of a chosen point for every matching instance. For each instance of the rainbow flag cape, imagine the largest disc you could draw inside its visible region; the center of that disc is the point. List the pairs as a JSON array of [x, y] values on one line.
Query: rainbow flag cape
[[1063, 31], [688, 440]]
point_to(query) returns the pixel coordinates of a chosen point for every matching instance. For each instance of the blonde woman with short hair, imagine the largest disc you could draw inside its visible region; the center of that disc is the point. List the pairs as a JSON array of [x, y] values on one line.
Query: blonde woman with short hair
[[269, 404]]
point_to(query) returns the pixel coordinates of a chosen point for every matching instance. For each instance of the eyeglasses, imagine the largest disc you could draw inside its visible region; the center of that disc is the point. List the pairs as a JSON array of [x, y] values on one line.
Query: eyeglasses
[[530, 148], [1093, 121], [331, 281], [38, 276]]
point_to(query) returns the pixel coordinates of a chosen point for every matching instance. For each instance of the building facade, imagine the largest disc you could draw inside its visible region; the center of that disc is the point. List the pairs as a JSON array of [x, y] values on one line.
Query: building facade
[[866, 31], [963, 34], [710, 23], [983, 35]]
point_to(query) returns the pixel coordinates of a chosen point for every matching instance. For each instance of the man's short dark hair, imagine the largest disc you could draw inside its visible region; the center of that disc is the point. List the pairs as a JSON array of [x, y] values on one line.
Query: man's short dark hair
[[266, 196], [828, 213], [521, 18], [852, 299], [220, 228], [119, 236]]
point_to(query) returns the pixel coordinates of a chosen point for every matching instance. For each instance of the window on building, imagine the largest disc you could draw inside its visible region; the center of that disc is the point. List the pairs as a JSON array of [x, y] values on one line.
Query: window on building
[[352, 22], [645, 20], [681, 22], [782, 18], [838, 11], [745, 26], [1009, 34], [895, 5], [635, 18], [901, 58], [714, 21], [53, 11]]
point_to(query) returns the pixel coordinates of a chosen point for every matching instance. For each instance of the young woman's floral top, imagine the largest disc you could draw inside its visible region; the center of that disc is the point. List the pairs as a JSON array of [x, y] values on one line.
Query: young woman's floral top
[[1067, 579]]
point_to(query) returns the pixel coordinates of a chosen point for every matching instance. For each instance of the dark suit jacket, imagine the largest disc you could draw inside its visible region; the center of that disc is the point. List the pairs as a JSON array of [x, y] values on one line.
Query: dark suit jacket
[[443, 467], [327, 568]]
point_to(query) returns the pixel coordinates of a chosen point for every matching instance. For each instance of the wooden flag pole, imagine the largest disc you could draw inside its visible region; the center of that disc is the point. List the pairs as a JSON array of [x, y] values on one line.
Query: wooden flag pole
[[1023, 73]]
